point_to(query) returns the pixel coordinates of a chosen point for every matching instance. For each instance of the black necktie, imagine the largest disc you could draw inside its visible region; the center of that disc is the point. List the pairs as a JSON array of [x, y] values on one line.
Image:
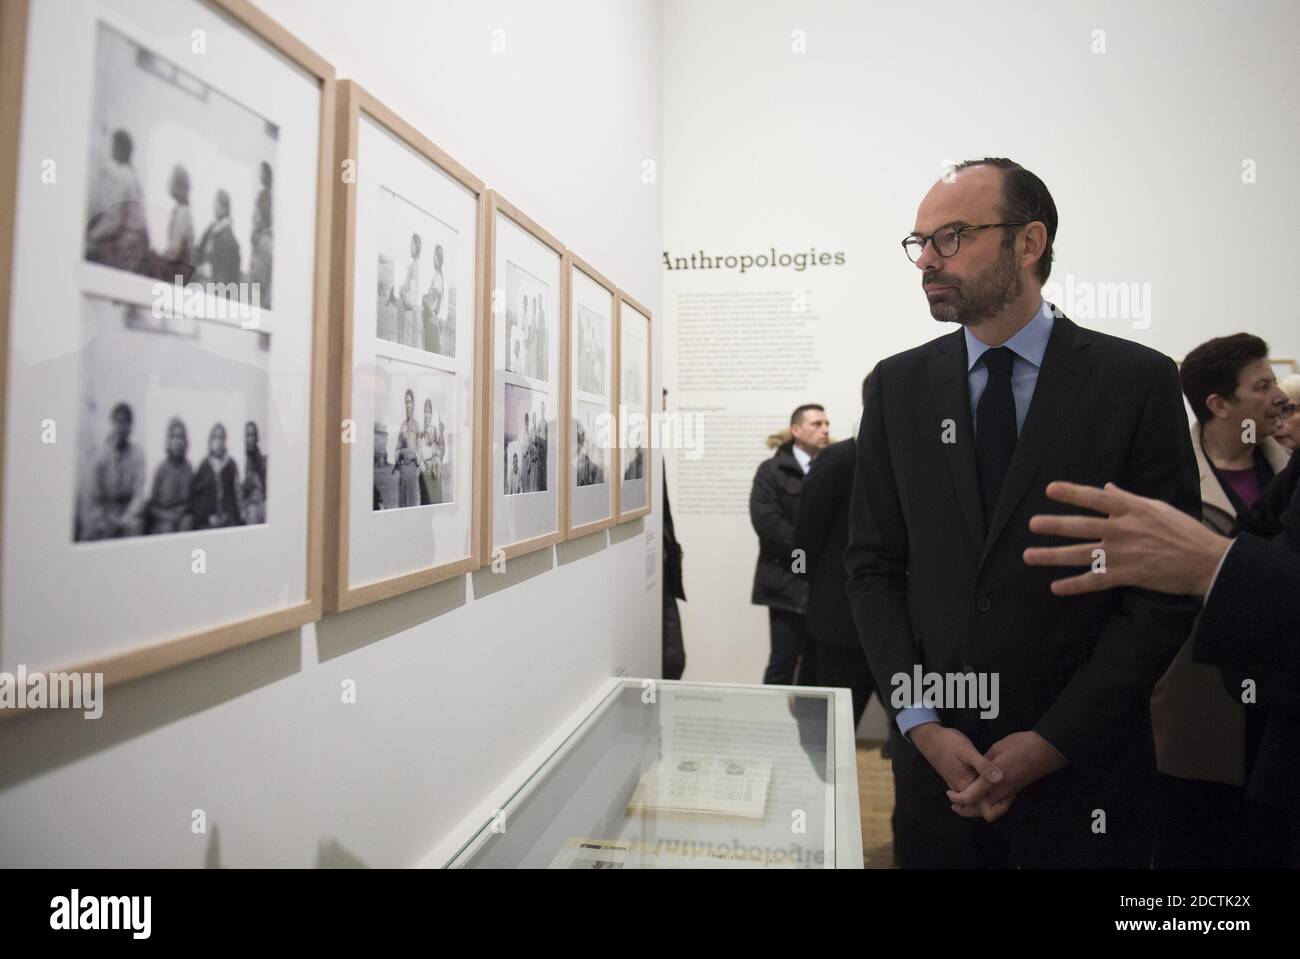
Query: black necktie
[[995, 427]]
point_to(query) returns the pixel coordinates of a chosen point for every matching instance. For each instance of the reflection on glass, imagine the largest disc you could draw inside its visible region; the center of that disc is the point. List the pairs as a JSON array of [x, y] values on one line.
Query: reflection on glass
[[695, 777]]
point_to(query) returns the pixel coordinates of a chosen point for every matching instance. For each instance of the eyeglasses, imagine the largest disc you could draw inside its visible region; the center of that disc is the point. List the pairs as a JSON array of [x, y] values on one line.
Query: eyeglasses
[[947, 240]]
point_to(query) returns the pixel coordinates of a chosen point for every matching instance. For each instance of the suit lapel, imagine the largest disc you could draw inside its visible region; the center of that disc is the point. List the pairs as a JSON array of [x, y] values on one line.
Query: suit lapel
[[949, 392], [1061, 377]]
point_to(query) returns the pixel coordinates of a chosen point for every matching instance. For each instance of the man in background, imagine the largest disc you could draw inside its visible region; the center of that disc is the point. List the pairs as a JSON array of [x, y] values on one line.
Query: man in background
[[773, 507], [822, 532]]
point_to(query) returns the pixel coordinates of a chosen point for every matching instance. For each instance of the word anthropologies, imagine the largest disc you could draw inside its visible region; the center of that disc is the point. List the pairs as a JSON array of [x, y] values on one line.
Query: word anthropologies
[[221, 301], [946, 691], [38, 690], [103, 912], [745, 261]]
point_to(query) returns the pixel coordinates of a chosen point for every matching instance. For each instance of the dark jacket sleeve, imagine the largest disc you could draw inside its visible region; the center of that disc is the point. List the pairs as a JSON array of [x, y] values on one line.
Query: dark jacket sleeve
[[1251, 618], [876, 557], [1146, 630], [765, 511], [820, 500]]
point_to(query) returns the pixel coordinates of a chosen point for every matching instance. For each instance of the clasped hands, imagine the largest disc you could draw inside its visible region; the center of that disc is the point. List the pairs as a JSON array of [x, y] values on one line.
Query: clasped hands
[[1142, 542], [985, 785]]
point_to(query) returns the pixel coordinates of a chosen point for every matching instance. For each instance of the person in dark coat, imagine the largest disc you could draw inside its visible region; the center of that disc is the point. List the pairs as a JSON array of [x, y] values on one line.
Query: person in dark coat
[[773, 508], [674, 647], [1248, 620], [214, 495], [218, 251], [822, 532]]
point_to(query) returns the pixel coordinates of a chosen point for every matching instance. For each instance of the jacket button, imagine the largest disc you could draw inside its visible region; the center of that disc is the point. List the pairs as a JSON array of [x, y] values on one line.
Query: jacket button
[[983, 604]]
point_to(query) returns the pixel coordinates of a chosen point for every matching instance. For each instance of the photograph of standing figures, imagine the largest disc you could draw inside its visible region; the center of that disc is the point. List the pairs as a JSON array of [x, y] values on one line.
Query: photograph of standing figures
[[525, 463], [408, 270], [413, 448], [526, 436], [634, 409], [181, 177], [417, 304], [527, 334], [589, 493]]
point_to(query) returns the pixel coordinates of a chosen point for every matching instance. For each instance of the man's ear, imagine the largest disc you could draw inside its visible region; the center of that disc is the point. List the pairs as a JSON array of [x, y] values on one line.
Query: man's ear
[[1217, 405], [1033, 242]]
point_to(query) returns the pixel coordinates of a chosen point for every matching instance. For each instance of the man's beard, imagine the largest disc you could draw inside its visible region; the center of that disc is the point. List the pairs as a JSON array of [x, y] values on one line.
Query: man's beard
[[970, 302]]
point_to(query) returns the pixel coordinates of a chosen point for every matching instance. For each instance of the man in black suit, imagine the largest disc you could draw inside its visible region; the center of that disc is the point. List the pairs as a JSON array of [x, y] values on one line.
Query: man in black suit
[[1250, 621], [822, 532], [1054, 765]]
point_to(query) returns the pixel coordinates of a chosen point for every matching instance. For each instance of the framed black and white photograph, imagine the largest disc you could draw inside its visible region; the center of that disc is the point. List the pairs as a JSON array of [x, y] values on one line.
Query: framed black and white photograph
[[592, 412], [634, 455], [166, 342], [527, 440], [408, 263], [154, 454], [528, 447], [181, 177], [416, 305], [415, 453]]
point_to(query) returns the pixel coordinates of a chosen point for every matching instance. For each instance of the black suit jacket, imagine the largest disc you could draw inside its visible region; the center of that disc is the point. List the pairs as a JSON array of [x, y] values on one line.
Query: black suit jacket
[[822, 532], [929, 587]]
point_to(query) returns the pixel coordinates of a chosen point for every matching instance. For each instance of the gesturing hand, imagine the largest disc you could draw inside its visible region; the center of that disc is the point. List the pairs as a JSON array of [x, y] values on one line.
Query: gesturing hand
[[1024, 758], [1142, 542]]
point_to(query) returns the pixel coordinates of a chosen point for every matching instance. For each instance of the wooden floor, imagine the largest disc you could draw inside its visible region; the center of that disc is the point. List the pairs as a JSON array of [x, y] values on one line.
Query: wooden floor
[[876, 802]]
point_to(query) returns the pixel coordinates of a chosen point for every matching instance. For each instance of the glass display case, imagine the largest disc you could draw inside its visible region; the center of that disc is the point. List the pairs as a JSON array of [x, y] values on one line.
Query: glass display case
[[668, 774]]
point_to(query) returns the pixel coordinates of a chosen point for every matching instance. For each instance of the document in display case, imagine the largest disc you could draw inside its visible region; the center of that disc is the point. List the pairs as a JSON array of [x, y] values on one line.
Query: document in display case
[[665, 774]]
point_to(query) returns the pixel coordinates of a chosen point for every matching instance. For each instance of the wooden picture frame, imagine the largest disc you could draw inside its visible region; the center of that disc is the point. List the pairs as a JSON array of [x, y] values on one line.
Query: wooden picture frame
[[129, 659], [577, 271], [625, 414], [494, 380], [355, 103]]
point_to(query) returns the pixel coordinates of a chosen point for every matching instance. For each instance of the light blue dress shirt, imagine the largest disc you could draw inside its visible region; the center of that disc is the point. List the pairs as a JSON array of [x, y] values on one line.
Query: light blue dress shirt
[[1029, 345]]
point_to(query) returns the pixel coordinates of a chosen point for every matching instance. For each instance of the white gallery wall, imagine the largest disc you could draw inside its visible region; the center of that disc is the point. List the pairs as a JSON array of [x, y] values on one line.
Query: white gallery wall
[[1166, 130], [557, 106]]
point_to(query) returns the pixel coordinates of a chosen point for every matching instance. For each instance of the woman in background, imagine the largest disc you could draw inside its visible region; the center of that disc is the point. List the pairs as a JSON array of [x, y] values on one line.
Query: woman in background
[[407, 463], [259, 266], [425, 442], [253, 489], [169, 499], [177, 258], [409, 296], [218, 252], [214, 497], [1287, 431]]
